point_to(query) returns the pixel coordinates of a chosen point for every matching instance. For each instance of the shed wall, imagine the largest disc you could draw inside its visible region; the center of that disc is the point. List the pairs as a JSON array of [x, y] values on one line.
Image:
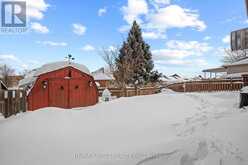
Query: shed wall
[[61, 91]]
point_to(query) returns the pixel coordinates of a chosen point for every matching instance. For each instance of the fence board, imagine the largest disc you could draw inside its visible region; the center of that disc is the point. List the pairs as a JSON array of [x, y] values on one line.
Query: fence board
[[204, 86], [129, 92], [12, 102]]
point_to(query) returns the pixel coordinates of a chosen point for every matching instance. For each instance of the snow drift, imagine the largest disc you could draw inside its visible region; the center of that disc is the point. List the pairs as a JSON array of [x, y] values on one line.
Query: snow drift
[[168, 128]]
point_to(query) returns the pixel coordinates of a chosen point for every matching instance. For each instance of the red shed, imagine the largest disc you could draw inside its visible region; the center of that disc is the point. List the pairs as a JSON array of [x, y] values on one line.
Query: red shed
[[61, 84]]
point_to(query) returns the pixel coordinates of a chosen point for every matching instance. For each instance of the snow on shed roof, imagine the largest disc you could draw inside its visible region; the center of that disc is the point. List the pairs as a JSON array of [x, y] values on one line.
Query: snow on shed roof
[[32, 76], [59, 65]]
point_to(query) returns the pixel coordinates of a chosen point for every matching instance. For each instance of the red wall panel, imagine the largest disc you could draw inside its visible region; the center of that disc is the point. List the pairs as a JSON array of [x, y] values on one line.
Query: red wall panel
[[61, 91]]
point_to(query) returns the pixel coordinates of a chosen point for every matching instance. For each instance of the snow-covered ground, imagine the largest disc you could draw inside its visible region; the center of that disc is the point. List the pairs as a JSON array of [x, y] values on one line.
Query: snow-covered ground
[[163, 129]]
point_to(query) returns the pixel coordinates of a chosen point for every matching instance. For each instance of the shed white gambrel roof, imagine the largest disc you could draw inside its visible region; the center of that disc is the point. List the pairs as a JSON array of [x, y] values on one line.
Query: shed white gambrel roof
[[32, 76]]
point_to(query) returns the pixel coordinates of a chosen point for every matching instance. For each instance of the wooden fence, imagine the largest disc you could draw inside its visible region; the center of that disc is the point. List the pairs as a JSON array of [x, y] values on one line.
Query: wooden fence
[[129, 92], [12, 102], [207, 86]]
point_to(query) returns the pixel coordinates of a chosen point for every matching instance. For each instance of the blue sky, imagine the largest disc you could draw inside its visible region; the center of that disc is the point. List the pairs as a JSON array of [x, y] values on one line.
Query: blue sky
[[186, 36]]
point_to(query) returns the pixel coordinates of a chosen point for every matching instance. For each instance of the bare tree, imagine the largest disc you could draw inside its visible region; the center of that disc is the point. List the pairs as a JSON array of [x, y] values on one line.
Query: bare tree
[[5, 72], [234, 56], [109, 56]]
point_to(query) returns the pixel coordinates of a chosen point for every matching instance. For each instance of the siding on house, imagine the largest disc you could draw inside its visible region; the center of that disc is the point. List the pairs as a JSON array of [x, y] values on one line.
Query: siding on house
[[237, 69]]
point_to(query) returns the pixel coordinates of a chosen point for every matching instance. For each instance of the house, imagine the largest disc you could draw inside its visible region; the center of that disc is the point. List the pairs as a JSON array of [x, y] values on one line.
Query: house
[[175, 76], [60, 84], [236, 69], [13, 81], [233, 70], [103, 77], [172, 79]]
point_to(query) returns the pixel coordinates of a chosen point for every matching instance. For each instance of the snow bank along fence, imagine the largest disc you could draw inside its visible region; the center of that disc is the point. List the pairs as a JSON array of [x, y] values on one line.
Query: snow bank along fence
[[207, 86], [131, 91], [12, 102]]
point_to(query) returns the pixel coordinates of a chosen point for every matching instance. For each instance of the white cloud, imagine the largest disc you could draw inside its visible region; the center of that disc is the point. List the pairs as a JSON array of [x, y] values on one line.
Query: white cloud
[[178, 53], [52, 43], [174, 16], [153, 35], [79, 29], [124, 28], [180, 62], [37, 27], [226, 39], [162, 1], [88, 47], [134, 9], [207, 38], [157, 16], [159, 3], [197, 47], [13, 61], [36, 9], [102, 11], [164, 54], [8, 57]]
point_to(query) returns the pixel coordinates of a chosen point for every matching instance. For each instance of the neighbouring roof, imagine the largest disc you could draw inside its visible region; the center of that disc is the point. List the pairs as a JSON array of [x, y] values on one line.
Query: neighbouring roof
[[234, 75], [164, 78], [102, 76], [243, 61], [32, 76], [176, 76], [215, 70], [240, 62]]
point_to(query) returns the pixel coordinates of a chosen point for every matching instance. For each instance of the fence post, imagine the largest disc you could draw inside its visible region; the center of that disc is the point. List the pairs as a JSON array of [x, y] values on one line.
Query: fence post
[[24, 100], [6, 107], [231, 88], [184, 87], [136, 90], [10, 103], [209, 86], [125, 92]]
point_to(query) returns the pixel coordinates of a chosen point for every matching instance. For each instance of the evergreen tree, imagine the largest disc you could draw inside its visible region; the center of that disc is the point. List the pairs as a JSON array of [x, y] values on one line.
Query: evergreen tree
[[134, 64], [141, 55]]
